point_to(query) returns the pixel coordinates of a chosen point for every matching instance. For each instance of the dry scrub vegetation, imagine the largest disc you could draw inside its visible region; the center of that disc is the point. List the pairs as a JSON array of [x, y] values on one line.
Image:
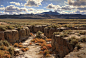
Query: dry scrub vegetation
[[74, 37]]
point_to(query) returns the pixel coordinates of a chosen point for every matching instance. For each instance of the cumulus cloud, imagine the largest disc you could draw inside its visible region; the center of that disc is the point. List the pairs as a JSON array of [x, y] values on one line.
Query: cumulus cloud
[[16, 3], [35, 3], [12, 8], [77, 2], [1, 5], [35, 11], [68, 7], [59, 8], [2, 8], [51, 6]]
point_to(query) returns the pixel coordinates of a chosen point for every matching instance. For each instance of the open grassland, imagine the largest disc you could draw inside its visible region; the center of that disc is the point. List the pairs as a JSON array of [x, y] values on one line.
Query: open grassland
[[61, 22], [43, 21]]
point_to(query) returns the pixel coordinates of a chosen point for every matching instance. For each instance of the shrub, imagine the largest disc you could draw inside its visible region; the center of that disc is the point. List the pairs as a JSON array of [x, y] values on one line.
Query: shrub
[[64, 35], [48, 39], [46, 52], [73, 41], [1, 44], [56, 33], [33, 40], [2, 48], [7, 55], [19, 28], [82, 32], [54, 26], [79, 34], [10, 27], [47, 55], [25, 49], [2, 28], [20, 43], [49, 46], [41, 52], [44, 48], [2, 53], [83, 39], [16, 45], [38, 35], [20, 46], [78, 46], [6, 43], [11, 51]]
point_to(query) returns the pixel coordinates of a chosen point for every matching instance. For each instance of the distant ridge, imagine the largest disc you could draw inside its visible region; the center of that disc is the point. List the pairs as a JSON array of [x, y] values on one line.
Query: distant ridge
[[50, 13], [44, 15]]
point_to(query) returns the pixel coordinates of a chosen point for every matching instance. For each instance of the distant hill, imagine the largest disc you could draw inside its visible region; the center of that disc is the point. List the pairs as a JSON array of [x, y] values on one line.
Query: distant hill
[[44, 15], [50, 13]]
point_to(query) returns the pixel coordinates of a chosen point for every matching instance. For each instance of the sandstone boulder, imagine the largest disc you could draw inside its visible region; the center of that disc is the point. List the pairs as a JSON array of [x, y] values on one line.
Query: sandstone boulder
[[11, 36], [23, 33], [37, 28], [43, 26], [30, 27], [60, 46], [49, 32], [27, 31]]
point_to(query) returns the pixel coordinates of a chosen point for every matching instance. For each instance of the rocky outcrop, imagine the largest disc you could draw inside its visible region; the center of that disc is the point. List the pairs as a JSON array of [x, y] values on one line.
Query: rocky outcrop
[[49, 31], [11, 35], [30, 27], [60, 46], [23, 33], [37, 28], [1, 35]]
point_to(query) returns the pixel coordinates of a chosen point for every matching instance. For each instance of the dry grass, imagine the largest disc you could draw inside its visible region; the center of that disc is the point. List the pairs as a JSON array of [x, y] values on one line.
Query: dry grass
[[42, 21]]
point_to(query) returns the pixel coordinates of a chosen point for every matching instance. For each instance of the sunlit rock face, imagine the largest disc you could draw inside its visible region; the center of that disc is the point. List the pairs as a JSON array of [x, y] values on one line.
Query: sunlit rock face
[[60, 46], [30, 28], [27, 31], [49, 32], [11, 35], [1, 35], [37, 28], [23, 33]]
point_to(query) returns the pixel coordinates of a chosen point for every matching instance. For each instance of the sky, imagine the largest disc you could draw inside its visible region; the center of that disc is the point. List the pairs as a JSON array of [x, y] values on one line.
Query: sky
[[39, 6]]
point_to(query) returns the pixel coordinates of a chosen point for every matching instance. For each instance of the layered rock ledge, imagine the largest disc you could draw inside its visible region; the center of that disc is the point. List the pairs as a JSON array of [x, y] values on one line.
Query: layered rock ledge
[[14, 36], [60, 46]]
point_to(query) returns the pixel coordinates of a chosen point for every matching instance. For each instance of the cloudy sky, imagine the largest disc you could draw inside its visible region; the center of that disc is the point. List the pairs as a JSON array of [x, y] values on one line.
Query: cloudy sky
[[39, 6]]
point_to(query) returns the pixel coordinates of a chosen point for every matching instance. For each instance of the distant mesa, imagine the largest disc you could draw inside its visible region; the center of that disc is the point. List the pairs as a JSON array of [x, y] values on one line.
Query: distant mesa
[[50, 13], [44, 15]]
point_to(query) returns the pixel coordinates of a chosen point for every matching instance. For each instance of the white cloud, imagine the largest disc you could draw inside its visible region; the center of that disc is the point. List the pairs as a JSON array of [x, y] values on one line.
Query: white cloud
[[16, 3], [2, 8], [31, 9], [35, 3], [35, 11], [68, 7], [1, 5], [77, 2], [59, 8], [13, 9], [51, 6]]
